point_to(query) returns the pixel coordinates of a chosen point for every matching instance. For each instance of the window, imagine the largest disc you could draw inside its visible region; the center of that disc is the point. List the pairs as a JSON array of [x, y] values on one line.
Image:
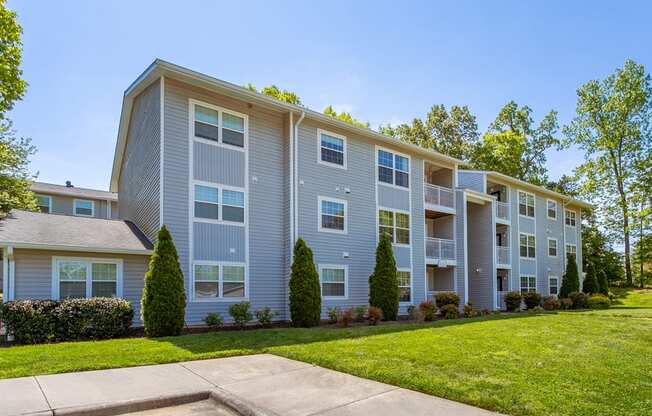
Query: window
[[395, 224], [333, 281], [571, 249], [552, 247], [527, 244], [207, 204], [571, 218], [332, 149], [84, 208], [44, 203], [332, 215], [528, 284], [213, 280], [552, 209], [553, 285], [219, 126], [404, 286], [526, 204], [86, 278], [393, 169]]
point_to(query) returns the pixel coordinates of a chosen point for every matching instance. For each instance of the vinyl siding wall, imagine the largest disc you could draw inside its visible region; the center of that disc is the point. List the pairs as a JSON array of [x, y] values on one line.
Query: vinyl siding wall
[[64, 205], [471, 180], [480, 235]]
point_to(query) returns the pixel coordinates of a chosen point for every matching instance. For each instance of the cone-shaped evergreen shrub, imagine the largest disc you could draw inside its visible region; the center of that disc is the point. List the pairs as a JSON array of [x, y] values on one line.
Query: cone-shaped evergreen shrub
[[164, 299], [305, 293], [603, 283], [571, 281], [383, 283], [590, 281]]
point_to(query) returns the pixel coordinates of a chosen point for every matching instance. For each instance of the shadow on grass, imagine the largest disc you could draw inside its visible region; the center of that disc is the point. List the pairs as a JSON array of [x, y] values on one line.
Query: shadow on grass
[[238, 342]]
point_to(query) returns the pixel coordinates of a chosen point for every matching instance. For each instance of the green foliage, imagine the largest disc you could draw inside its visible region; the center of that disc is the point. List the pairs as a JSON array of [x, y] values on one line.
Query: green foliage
[[513, 301], [265, 316], [164, 299], [345, 318], [551, 303], [531, 300], [305, 293], [334, 313], [571, 280], [375, 315], [596, 250], [345, 117], [15, 179], [449, 312], [12, 86], [428, 310], [383, 283], [275, 92], [447, 298], [603, 283], [39, 321], [213, 319], [240, 313], [359, 312], [590, 283], [598, 302], [565, 303], [580, 300]]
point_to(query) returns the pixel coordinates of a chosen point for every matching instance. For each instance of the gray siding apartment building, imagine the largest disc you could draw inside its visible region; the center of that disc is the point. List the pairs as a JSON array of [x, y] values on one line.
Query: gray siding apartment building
[[237, 177]]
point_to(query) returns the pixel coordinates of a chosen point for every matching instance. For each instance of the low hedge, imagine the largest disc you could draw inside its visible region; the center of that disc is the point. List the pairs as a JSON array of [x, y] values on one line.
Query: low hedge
[[39, 321], [598, 302], [580, 300], [531, 300], [513, 301], [447, 298]]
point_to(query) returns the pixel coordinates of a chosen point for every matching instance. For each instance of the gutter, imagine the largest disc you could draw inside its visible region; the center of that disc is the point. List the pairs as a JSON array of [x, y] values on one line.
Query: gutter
[[9, 246]]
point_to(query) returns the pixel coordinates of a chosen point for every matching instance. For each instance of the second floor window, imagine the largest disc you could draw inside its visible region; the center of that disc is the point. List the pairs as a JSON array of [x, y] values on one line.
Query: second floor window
[[84, 208], [44, 203], [218, 126], [332, 149], [332, 214], [526, 204], [207, 204], [527, 245], [552, 209], [396, 225], [393, 169], [571, 218]]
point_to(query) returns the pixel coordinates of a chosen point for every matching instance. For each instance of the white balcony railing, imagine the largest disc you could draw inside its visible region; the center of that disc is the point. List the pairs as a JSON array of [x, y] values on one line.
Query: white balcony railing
[[438, 195], [440, 249], [503, 255], [503, 210]]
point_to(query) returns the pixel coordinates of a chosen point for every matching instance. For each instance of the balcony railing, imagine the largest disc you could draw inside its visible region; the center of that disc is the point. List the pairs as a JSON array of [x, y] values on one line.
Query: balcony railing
[[438, 195], [503, 210], [503, 255], [440, 249]]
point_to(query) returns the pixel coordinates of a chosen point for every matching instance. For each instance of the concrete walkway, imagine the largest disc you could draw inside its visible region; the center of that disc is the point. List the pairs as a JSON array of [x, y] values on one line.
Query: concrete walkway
[[274, 384]]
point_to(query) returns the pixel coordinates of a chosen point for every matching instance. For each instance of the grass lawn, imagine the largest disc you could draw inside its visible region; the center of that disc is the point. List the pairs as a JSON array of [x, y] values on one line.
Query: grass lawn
[[568, 363]]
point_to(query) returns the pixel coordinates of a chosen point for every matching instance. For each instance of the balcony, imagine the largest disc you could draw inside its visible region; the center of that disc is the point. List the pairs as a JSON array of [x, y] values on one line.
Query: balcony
[[503, 255], [440, 250], [439, 196], [503, 211]]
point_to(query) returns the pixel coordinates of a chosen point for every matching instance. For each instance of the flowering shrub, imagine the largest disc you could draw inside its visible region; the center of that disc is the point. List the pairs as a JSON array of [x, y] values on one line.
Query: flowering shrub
[[375, 315]]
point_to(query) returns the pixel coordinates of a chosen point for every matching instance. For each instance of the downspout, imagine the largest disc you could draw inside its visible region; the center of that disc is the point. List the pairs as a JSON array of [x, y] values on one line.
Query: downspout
[[296, 178], [291, 175]]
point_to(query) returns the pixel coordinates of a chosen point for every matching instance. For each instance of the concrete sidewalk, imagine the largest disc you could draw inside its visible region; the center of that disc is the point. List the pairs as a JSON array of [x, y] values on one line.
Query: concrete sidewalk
[[274, 384]]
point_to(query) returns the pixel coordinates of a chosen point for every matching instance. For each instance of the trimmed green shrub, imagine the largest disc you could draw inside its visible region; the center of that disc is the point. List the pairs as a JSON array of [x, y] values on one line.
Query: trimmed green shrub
[[447, 298], [603, 282], [580, 300], [550, 303], [537, 309], [265, 316], [566, 304], [513, 301], [333, 314], [345, 318], [164, 299], [531, 300], [428, 310], [305, 293], [39, 321], [449, 311], [383, 283], [598, 302], [213, 319], [240, 313], [375, 315], [571, 280], [590, 283], [359, 312]]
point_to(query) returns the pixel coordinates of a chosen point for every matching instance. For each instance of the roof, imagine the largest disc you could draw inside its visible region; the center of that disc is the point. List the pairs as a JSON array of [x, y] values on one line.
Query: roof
[[162, 68], [24, 229], [53, 189], [527, 185]]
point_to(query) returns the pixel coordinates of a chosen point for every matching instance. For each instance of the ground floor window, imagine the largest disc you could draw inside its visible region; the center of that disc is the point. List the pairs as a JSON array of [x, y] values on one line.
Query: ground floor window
[[86, 278], [333, 281], [404, 285], [216, 280], [553, 286], [528, 284]]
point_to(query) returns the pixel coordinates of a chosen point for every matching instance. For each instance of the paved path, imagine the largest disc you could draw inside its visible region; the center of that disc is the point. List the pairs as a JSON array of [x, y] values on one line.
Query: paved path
[[271, 383]]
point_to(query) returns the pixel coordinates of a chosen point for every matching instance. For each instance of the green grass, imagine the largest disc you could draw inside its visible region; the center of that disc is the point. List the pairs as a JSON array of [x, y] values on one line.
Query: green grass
[[568, 363]]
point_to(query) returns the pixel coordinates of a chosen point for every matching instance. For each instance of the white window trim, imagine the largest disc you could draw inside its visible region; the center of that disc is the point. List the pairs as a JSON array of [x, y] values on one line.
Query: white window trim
[[550, 277], [346, 214], [556, 217], [536, 282], [566, 252], [407, 269], [394, 211], [566, 211], [344, 155], [393, 184], [519, 246], [89, 275], [220, 282], [346, 280], [219, 188], [74, 207], [556, 247], [518, 204], [49, 197], [220, 126]]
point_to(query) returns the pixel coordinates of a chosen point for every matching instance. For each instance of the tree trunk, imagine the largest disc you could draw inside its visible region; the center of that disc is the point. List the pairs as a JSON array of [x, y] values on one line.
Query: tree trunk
[[640, 249], [628, 264]]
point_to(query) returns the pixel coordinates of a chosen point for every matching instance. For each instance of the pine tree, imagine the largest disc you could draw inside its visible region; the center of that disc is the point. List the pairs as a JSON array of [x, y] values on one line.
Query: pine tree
[[590, 285], [305, 293], [603, 282], [164, 298], [571, 280], [383, 283]]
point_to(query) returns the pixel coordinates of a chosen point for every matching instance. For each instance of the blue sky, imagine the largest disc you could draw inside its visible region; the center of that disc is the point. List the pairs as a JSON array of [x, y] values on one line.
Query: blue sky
[[384, 61]]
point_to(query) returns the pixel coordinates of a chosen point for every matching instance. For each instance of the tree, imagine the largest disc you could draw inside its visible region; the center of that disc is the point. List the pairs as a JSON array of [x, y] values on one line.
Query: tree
[[383, 283], [15, 179], [590, 284], [164, 298], [571, 280], [275, 92], [305, 293], [453, 133], [612, 126], [12, 86], [603, 283], [515, 147], [643, 259], [345, 116]]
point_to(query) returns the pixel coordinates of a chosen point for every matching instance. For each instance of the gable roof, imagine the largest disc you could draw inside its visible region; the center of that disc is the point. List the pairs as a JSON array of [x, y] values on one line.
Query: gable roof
[[35, 230], [54, 189]]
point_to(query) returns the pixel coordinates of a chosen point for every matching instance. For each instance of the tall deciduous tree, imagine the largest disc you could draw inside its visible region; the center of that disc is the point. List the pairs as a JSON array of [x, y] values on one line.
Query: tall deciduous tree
[[345, 116], [12, 86], [612, 126], [275, 92]]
